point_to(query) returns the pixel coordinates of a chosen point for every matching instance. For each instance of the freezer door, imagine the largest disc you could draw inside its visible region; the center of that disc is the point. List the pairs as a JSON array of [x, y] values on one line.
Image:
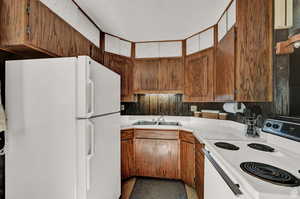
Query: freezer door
[[99, 158], [40, 160], [98, 89]]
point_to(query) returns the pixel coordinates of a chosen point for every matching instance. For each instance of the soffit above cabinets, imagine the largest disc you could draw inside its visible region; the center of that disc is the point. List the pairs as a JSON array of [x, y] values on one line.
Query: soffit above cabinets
[[155, 20]]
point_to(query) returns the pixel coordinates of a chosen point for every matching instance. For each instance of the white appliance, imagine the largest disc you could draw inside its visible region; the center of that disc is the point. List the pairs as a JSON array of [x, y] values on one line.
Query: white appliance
[[63, 130], [255, 169]]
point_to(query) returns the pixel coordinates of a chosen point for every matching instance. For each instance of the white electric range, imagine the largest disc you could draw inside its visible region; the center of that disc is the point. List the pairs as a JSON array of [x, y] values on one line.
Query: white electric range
[[255, 169]]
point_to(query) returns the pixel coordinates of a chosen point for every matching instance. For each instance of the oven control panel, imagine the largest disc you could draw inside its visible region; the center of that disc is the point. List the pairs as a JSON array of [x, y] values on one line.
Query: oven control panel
[[290, 130]]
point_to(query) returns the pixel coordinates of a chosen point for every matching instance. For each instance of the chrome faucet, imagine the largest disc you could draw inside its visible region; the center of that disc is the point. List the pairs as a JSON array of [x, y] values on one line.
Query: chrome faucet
[[161, 119]]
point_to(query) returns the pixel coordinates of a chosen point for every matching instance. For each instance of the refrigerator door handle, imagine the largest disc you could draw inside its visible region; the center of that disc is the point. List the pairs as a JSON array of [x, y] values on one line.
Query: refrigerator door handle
[[90, 153], [92, 98]]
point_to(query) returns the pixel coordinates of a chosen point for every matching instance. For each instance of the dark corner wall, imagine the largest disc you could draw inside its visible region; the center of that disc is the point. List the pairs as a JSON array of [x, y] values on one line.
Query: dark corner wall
[[2, 162], [3, 57]]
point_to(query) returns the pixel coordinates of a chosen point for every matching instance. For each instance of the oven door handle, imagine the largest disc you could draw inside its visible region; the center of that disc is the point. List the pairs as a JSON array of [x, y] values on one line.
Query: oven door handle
[[234, 188]]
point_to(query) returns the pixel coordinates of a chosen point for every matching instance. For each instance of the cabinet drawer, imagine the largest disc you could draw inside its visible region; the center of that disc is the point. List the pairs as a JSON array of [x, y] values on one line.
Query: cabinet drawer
[[187, 136], [157, 134], [127, 134]]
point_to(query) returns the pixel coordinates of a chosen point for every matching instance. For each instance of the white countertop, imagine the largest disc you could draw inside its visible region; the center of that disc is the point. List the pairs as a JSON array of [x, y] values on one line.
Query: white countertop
[[202, 128], [209, 131]]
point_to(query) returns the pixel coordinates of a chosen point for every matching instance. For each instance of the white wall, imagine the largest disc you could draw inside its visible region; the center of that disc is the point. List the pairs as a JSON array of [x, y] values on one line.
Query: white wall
[[117, 46], [69, 12], [158, 49], [200, 41]]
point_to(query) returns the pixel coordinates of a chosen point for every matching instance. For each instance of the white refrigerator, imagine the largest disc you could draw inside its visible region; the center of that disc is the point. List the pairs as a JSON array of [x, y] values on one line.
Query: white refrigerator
[[63, 138]]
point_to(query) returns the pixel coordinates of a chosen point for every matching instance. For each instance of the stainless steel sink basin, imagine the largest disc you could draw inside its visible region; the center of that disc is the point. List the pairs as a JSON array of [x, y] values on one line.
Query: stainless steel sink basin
[[169, 123], [145, 123]]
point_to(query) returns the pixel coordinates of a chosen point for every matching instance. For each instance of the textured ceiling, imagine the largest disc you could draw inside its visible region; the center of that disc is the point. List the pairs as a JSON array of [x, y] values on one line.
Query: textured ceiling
[[147, 20]]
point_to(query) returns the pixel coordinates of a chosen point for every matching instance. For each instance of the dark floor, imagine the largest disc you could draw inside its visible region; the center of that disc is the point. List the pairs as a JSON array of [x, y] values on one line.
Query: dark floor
[[149, 188]]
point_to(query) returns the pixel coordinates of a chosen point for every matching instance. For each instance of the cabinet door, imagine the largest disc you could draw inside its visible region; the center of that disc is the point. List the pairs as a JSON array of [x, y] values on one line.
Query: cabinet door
[[58, 41], [187, 162], [146, 75], [127, 94], [157, 158], [199, 170], [283, 13], [113, 62], [254, 51], [127, 160], [199, 77], [225, 68], [171, 76]]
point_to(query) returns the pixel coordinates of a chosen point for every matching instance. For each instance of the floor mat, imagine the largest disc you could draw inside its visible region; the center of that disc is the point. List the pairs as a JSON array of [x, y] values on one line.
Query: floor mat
[[148, 188]]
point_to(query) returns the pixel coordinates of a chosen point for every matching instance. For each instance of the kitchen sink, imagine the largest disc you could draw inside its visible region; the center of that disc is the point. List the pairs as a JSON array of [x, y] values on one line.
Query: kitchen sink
[[169, 123], [145, 123], [156, 123]]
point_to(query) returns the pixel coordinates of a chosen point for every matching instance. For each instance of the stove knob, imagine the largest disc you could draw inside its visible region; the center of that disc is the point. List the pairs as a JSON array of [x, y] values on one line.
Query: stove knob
[[275, 126], [268, 124]]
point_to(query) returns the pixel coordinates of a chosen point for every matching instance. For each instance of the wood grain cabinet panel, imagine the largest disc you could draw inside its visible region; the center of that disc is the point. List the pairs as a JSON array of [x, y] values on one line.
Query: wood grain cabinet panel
[[33, 30], [124, 66], [127, 70], [146, 78], [157, 158], [127, 158], [171, 75], [199, 170], [199, 77], [187, 162], [254, 50], [127, 154], [225, 68], [158, 75]]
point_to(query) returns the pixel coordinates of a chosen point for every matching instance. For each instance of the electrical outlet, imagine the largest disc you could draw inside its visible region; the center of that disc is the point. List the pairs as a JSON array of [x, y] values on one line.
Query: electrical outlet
[[194, 108], [122, 107]]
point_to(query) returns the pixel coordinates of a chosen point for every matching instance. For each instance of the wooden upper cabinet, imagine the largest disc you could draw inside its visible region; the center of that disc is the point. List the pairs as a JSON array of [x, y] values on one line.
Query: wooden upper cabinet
[[127, 94], [146, 78], [33, 30], [225, 68], [124, 66], [254, 50], [199, 77], [158, 75], [171, 77]]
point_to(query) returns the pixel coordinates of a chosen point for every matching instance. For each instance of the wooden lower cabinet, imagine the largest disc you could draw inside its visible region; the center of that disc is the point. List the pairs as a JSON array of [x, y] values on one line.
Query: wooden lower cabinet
[[127, 154], [168, 154], [199, 169], [157, 158], [187, 162], [127, 160]]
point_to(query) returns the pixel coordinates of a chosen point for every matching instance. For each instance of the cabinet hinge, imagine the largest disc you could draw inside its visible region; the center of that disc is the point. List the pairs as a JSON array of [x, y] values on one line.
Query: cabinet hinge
[[28, 30], [235, 91]]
